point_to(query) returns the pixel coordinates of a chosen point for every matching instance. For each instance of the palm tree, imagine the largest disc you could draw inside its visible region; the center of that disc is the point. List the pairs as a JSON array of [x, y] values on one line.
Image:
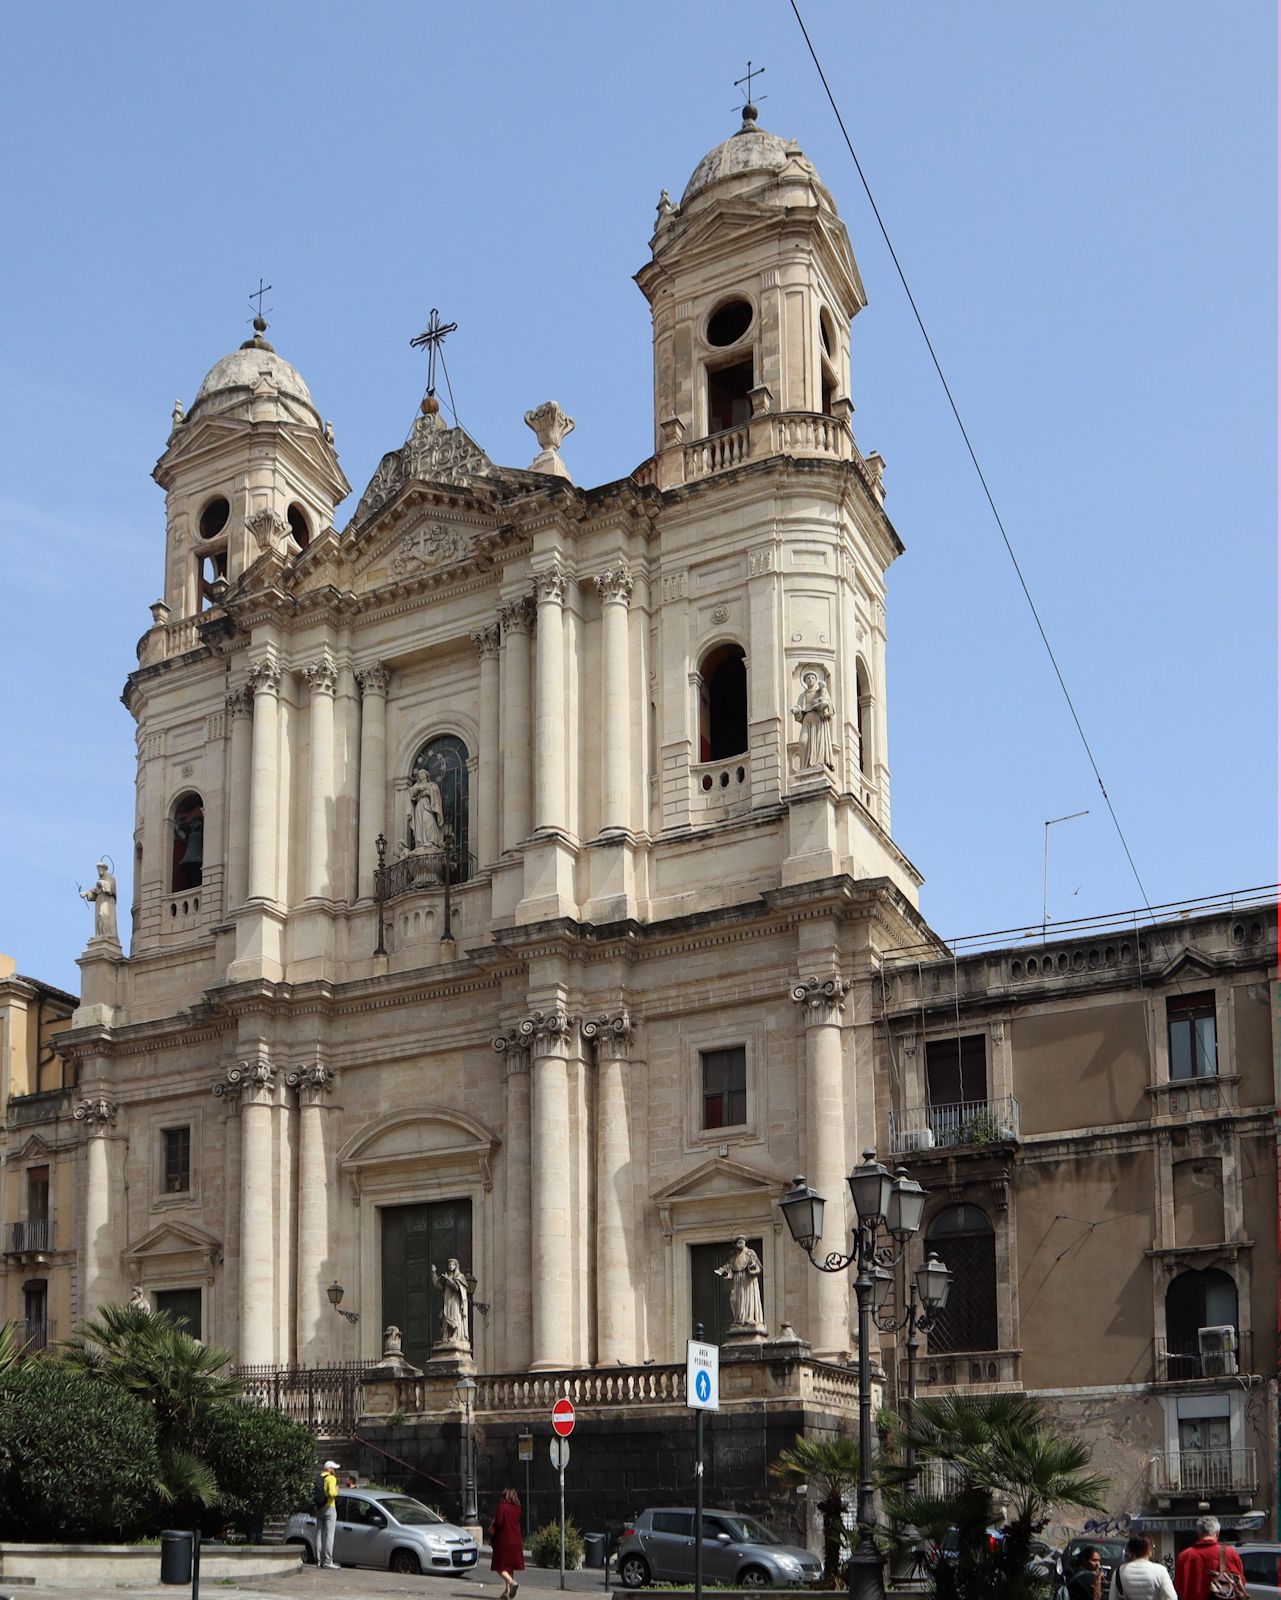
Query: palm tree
[[832, 1466]]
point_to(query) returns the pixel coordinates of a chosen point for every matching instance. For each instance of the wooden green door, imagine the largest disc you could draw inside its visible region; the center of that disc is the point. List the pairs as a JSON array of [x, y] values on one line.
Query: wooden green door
[[413, 1238], [708, 1294]]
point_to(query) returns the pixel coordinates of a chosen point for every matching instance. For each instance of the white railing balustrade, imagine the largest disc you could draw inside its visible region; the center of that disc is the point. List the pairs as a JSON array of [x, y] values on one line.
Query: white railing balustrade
[[976, 1122], [1205, 1472]]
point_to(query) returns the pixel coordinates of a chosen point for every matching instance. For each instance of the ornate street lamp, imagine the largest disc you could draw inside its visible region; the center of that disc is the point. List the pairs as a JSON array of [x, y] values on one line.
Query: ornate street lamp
[[335, 1291], [896, 1204], [466, 1388]]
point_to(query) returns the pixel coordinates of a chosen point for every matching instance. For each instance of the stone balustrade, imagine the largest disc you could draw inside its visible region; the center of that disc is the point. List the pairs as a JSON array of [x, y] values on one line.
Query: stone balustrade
[[169, 639], [811, 434]]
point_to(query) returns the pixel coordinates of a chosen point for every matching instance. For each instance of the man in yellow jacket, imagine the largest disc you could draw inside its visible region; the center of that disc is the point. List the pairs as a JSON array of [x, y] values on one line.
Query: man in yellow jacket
[[327, 1517]]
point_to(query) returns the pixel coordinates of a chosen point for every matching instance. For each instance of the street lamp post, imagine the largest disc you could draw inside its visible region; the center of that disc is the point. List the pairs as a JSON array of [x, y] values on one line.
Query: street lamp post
[[881, 1201], [466, 1387]]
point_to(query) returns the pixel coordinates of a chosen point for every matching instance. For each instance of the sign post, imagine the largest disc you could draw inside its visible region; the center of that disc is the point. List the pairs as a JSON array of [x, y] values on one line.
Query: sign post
[[562, 1427], [702, 1394]]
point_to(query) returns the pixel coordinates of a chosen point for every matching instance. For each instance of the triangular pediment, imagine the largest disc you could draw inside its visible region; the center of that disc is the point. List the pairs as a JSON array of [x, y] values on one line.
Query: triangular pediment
[[32, 1150], [418, 537], [1186, 963], [720, 1179], [170, 1239]]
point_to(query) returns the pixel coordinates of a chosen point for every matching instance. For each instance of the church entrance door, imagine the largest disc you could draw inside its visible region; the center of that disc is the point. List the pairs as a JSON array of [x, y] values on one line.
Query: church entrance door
[[708, 1294], [413, 1238]]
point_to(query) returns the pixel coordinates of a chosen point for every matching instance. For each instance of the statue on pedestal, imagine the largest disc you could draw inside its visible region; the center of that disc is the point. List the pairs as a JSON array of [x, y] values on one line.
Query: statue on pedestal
[[426, 811], [452, 1284], [138, 1299], [814, 711], [102, 897], [743, 1270]]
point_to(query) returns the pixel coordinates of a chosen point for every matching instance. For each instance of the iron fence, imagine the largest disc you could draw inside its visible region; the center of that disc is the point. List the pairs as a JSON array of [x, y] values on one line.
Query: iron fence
[[324, 1399]]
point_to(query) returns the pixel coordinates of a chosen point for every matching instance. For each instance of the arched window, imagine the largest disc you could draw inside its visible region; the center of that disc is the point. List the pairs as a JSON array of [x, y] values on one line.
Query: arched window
[[187, 823], [722, 730], [211, 556], [864, 696], [964, 1241], [299, 525], [444, 759], [1195, 1300]]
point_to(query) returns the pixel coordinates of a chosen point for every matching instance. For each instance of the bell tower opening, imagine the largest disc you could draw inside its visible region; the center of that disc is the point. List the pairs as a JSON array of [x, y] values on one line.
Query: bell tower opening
[[728, 395], [723, 704]]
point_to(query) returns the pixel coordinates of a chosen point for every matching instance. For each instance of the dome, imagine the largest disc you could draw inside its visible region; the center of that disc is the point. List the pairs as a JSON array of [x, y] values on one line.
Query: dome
[[244, 367], [749, 150]]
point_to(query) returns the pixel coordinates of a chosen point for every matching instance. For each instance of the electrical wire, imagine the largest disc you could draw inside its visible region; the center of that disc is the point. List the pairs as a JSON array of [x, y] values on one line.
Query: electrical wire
[[453, 410], [920, 322]]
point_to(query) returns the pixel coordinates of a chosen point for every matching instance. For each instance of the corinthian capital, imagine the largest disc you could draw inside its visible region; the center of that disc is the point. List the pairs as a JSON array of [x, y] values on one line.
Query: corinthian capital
[[322, 675], [313, 1082], [611, 1034], [251, 1082], [264, 677], [240, 701], [823, 999], [616, 584], [550, 586], [515, 617], [486, 641], [97, 1112], [373, 679]]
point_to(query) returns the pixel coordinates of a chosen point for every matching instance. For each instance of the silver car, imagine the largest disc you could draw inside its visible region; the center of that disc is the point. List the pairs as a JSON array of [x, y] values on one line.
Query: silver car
[[1262, 1563], [658, 1547], [379, 1528]]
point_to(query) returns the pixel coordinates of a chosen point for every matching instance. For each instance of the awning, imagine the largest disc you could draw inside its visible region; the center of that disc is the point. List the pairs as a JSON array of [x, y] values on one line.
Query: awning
[[1243, 1522]]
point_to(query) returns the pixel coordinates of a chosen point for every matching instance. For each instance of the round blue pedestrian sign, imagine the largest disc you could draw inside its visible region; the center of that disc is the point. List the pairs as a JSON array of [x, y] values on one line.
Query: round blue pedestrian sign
[[703, 1386]]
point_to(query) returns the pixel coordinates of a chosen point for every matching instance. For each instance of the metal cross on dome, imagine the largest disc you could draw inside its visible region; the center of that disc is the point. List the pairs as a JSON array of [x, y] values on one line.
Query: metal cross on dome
[[260, 291], [430, 340], [752, 72]]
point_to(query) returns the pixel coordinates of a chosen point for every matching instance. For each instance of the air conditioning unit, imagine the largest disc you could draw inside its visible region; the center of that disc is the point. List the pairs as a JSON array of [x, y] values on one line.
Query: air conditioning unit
[[915, 1139], [1218, 1347]]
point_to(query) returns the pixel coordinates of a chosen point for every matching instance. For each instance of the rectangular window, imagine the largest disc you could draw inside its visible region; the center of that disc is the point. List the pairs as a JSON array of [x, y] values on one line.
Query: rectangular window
[[956, 1071], [708, 1294], [37, 1194], [729, 396], [1194, 1047], [176, 1177], [35, 1297], [183, 1305], [724, 1087]]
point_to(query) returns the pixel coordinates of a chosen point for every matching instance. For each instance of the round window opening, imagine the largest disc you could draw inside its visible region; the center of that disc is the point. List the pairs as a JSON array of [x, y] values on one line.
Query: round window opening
[[730, 323], [213, 519]]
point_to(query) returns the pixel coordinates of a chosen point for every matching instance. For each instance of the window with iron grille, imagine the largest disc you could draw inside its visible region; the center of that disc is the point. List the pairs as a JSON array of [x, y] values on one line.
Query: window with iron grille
[[1194, 1047], [963, 1238], [724, 1087], [183, 1305], [176, 1160]]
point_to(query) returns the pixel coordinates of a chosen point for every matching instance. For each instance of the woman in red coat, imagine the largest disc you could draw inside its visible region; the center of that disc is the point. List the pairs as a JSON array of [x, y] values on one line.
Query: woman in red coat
[[508, 1542]]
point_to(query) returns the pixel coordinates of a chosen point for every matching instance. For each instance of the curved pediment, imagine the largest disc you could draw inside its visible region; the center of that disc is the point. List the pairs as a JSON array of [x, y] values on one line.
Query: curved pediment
[[422, 1137]]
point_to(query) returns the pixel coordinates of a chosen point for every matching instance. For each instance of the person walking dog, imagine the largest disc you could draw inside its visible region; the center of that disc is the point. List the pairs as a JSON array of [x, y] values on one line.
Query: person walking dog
[[508, 1542], [327, 1516]]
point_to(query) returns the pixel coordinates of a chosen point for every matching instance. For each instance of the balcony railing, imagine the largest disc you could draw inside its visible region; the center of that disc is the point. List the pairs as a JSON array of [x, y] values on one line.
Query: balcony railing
[[976, 1122], [1181, 1360], [28, 1238], [324, 1399], [965, 1369], [423, 869], [1205, 1472]]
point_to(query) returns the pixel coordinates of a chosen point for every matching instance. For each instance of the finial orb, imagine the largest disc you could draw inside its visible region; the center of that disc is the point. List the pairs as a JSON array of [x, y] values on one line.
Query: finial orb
[[749, 112], [430, 405], [260, 324]]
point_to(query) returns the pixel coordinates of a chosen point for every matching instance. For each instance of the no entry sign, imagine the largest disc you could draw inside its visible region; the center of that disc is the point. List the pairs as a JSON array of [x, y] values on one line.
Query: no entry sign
[[563, 1418]]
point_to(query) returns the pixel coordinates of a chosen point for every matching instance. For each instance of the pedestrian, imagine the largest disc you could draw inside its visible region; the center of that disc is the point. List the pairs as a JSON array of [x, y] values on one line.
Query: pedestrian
[[1139, 1577], [327, 1516], [1208, 1570], [508, 1542], [349, 1482], [1086, 1583]]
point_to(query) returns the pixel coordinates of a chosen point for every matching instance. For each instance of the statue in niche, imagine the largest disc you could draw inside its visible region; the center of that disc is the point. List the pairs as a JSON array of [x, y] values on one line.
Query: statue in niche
[[814, 711], [102, 897], [426, 811], [452, 1284], [743, 1270]]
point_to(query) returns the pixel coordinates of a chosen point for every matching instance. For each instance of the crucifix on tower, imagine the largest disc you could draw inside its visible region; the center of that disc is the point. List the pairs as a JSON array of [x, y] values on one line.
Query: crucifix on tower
[[431, 340], [749, 105]]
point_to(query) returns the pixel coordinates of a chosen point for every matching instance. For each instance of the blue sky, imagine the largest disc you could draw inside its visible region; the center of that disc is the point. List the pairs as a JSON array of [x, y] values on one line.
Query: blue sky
[[1084, 199]]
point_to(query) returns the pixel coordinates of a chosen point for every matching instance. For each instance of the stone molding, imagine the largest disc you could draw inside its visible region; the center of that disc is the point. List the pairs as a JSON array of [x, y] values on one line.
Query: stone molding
[[486, 641], [373, 679], [313, 1082], [514, 1049], [550, 587], [823, 999], [250, 1082], [264, 677], [267, 528], [516, 617], [98, 1112], [615, 584], [612, 1034], [322, 675]]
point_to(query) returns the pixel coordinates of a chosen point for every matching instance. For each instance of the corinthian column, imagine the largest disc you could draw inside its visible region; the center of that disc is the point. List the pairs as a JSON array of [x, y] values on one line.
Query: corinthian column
[[515, 620], [373, 681], [615, 1265], [239, 709], [322, 680], [98, 1115], [514, 1049], [822, 1001], [549, 1035], [615, 589], [253, 1083], [313, 1084], [486, 642], [264, 822], [549, 746]]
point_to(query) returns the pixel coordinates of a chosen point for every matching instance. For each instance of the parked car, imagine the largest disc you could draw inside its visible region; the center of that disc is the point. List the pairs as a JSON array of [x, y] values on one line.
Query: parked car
[[658, 1547], [1111, 1552], [379, 1528], [1262, 1563]]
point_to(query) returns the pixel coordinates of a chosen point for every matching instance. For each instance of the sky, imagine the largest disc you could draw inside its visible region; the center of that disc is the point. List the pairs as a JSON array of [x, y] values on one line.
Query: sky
[[1083, 198]]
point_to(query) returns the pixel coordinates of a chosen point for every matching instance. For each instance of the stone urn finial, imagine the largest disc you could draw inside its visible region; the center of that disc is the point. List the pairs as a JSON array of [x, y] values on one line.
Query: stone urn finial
[[550, 425]]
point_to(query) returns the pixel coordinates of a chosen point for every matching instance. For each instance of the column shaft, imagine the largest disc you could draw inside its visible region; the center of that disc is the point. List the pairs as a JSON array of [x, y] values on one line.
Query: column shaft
[[487, 763], [99, 1115], [549, 746], [253, 1084], [550, 1255], [239, 705], [825, 1156], [313, 1213], [517, 1211], [615, 587], [373, 773], [615, 1288], [515, 724], [264, 803], [322, 678]]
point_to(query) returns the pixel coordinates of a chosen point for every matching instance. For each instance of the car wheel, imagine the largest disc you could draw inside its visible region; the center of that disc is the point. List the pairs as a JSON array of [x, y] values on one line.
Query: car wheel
[[308, 1554], [634, 1571], [405, 1561], [754, 1578]]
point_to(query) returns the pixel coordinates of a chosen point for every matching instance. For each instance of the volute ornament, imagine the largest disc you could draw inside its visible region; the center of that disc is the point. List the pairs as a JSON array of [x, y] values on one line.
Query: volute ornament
[[97, 1111]]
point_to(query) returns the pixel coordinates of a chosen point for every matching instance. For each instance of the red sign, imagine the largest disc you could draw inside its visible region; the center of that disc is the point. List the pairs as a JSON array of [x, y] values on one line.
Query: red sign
[[563, 1418]]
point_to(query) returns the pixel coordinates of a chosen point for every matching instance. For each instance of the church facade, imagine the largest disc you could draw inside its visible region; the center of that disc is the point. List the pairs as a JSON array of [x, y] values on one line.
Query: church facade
[[514, 885]]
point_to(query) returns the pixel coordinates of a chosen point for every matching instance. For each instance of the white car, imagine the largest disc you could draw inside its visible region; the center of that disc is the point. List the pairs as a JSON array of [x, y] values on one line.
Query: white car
[[380, 1528]]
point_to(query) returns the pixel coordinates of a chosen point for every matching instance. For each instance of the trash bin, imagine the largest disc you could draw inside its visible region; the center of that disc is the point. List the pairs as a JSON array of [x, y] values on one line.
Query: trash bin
[[594, 1549], [175, 1556]]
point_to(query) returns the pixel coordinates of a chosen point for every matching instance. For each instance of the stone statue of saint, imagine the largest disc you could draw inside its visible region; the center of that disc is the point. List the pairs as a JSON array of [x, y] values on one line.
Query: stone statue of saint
[[814, 711], [743, 1269], [426, 811], [103, 899], [452, 1284], [138, 1299]]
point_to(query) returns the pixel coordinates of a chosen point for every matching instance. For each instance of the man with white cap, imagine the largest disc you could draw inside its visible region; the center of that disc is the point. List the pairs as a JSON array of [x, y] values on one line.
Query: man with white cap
[[327, 1517]]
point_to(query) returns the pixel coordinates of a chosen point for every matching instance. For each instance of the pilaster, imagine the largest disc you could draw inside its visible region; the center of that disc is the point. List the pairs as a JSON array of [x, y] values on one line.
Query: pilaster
[[613, 1035], [253, 1085], [551, 1036]]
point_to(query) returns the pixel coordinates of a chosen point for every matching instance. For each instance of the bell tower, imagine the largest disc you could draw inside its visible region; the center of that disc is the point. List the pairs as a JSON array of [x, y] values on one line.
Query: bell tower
[[753, 286], [250, 468]]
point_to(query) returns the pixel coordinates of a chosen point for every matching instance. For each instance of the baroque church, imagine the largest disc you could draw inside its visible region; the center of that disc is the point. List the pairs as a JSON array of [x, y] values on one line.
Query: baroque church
[[514, 887]]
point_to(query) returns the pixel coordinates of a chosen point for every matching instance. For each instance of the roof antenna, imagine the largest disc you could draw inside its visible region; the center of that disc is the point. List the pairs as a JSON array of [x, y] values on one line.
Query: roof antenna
[[1045, 867]]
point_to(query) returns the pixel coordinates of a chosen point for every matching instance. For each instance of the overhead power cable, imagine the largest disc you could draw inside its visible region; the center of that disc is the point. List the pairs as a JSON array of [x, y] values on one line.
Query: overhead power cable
[[947, 390]]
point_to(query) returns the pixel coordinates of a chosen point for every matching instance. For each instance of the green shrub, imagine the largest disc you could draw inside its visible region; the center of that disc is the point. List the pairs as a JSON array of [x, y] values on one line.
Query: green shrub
[[78, 1459], [264, 1464], [544, 1545]]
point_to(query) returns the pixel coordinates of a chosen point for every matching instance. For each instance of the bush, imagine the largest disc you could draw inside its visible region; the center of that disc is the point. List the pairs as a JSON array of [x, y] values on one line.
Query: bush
[[264, 1464], [78, 1459], [544, 1545]]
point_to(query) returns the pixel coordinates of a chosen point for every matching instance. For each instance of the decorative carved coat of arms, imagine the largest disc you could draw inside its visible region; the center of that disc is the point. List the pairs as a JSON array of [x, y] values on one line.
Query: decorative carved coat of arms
[[432, 545]]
